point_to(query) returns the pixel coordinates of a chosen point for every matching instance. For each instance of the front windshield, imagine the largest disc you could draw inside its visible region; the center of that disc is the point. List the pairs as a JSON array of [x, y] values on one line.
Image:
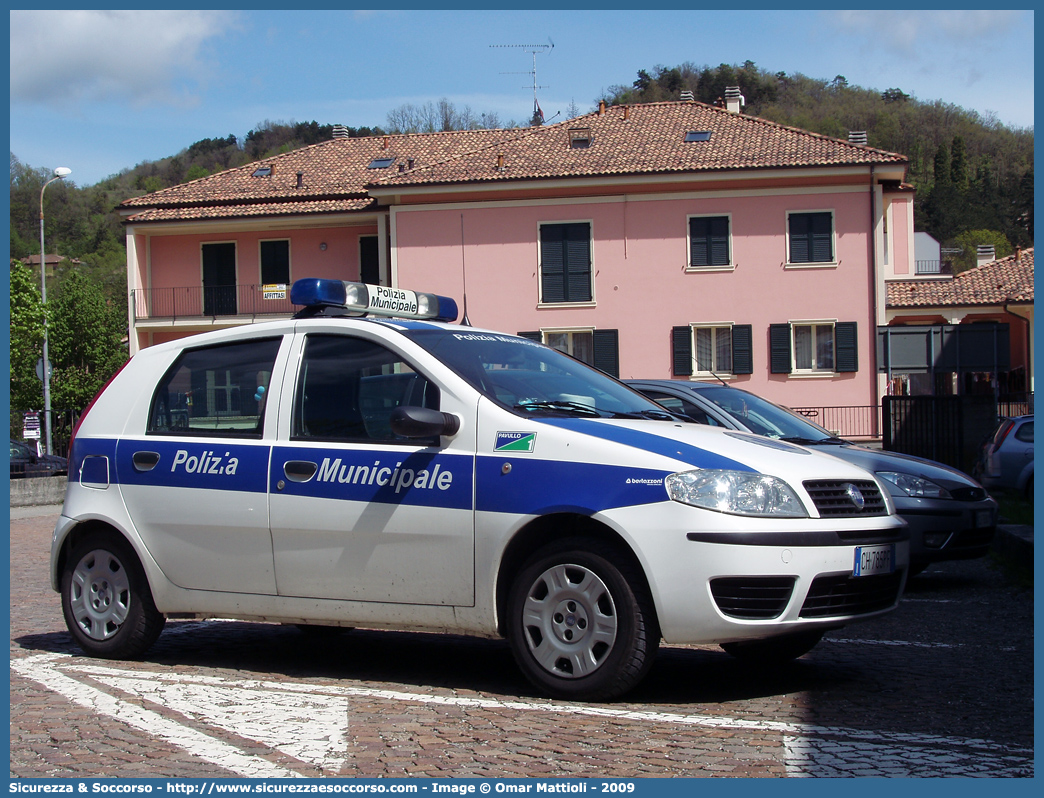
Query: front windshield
[[761, 416], [534, 379]]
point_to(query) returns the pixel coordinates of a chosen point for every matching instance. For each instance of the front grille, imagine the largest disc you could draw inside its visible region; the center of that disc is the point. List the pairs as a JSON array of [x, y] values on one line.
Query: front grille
[[968, 494], [840, 498], [850, 595], [752, 597]]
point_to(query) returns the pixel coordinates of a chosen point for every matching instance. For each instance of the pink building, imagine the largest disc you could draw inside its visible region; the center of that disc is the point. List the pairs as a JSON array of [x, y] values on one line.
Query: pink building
[[662, 240]]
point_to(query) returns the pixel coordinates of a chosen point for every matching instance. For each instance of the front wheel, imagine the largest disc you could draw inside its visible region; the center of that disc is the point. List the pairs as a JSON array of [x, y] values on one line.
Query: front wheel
[[106, 599], [580, 621]]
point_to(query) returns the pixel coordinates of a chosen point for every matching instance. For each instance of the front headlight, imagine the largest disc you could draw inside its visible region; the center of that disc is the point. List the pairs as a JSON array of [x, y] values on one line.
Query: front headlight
[[735, 492], [917, 487]]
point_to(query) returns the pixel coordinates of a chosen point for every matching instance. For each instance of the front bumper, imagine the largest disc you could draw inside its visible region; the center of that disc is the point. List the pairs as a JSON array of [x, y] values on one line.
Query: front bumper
[[947, 529]]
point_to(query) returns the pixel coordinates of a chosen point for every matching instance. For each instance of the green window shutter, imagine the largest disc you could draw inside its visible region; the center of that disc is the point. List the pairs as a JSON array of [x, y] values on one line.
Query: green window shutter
[[846, 347], [811, 238], [709, 241], [533, 335], [607, 351], [681, 351], [742, 349], [565, 263], [779, 348]]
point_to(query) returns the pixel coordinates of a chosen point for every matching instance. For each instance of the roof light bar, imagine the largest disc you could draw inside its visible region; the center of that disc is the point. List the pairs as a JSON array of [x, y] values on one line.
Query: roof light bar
[[372, 300]]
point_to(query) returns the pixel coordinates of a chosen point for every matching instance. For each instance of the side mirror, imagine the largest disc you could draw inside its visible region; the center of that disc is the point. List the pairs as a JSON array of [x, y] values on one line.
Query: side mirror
[[422, 422]]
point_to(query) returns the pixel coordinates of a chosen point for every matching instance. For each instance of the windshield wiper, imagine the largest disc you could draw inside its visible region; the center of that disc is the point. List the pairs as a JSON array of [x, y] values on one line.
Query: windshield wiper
[[559, 406], [655, 415]]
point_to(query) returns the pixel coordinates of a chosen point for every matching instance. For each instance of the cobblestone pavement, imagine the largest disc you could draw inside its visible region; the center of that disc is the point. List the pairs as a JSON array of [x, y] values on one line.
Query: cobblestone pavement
[[942, 687]]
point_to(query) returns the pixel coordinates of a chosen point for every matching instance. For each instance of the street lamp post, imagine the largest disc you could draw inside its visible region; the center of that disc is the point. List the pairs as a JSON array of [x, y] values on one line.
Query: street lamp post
[[59, 173]]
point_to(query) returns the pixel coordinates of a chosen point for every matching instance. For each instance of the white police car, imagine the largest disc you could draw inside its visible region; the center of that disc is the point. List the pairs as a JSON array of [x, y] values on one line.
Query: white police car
[[412, 474]]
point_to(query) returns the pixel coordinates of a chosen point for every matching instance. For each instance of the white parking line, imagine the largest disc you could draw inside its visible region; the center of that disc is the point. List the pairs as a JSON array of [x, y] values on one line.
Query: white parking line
[[310, 723]]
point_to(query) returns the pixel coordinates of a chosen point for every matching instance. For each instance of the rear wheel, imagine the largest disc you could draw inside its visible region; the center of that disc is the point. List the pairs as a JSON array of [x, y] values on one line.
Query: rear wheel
[[580, 621], [106, 599], [774, 650]]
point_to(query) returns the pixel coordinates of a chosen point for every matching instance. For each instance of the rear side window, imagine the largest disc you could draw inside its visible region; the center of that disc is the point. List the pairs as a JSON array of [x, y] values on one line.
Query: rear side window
[[216, 390], [348, 388], [1025, 433]]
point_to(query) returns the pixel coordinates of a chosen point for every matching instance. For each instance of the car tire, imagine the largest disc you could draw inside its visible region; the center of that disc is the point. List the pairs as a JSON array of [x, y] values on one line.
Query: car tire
[[581, 622], [106, 599], [774, 650]]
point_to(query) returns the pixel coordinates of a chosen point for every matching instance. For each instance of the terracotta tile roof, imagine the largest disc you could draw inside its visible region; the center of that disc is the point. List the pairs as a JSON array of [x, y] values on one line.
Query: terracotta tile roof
[[1009, 280], [642, 139], [331, 169], [646, 139], [241, 210]]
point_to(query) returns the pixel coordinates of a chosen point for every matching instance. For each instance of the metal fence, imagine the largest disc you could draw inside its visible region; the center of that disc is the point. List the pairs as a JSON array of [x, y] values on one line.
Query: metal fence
[[846, 422], [200, 302]]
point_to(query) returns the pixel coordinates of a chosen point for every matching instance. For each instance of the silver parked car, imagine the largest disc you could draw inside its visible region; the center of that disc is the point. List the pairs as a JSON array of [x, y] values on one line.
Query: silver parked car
[[1006, 459], [950, 515]]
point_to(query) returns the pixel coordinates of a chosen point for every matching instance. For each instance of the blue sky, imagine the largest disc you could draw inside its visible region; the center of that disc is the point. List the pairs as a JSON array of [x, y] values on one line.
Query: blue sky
[[101, 91]]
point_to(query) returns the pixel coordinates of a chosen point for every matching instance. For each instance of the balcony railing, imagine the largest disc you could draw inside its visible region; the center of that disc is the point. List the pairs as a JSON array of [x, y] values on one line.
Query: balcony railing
[[846, 422], [207, 302], [926, 267]]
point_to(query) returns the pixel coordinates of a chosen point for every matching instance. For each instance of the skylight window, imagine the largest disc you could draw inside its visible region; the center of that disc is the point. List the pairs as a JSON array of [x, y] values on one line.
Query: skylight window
[[381, 163], [263, 171], [580, 138], [698, 135]]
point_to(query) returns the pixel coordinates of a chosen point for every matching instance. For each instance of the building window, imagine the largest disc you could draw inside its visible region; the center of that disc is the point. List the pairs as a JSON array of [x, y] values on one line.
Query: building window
[[565, 262], [709, 241], [698, 135], [819, 347], [712, 350], [381, 163], [598, 348], [275, 262], [810, 237]]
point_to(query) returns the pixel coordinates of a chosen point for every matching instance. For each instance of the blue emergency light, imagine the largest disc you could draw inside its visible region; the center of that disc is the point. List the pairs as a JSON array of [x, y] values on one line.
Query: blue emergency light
[[371, 300]]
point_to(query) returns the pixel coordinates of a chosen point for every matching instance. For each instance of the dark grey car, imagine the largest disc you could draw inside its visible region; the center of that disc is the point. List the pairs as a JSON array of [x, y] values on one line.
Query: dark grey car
[[950, 515]]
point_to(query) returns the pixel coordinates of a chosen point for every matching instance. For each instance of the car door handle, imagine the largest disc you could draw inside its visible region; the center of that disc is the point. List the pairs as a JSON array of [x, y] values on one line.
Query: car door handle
[[299, 470], [145, 461]]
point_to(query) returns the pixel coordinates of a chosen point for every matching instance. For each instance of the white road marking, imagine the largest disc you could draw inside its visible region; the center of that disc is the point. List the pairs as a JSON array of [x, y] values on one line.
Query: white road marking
[[43, 669], [310, 722]]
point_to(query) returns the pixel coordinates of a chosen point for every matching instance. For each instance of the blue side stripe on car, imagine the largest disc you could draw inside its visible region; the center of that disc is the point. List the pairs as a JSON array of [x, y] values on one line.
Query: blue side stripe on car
[[657, 444]]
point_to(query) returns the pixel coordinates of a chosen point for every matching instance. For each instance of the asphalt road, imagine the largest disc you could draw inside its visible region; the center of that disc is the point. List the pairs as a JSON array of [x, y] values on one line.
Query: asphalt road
[[941, 687]]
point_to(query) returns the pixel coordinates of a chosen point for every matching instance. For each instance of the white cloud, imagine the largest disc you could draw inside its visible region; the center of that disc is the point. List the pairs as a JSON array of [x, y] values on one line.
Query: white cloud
[[146, 57], [907, 32]]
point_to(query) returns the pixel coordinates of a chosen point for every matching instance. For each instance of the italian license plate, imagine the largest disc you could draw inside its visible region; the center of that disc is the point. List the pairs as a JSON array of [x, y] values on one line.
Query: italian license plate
[[873, 560], [983, 518]]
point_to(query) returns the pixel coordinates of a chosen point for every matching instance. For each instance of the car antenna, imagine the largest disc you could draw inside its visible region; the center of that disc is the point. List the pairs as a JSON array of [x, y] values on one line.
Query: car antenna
[[719, 379]]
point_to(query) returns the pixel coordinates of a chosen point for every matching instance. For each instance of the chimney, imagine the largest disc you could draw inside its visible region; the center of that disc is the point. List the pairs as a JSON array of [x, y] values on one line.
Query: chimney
[[733, 99], [340, 132], [627, 112], [409, 163], [300, 179], [857, 137], [984, 253], [601, 107], [384, 143], [500, 162], [1018, 254], [687, 97]]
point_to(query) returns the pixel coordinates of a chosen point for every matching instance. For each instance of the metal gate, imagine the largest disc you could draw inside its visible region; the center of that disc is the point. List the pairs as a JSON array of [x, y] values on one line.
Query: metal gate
[[947, 429]]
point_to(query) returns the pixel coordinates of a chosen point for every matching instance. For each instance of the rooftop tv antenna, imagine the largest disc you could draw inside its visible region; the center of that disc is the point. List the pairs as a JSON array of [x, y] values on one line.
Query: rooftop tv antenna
[[535, 49]]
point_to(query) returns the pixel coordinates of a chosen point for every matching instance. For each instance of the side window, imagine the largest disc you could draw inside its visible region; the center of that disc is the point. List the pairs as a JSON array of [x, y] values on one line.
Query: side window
[[678, 405], [1025, 433], [216, 390], [348, 387], [565, 262]]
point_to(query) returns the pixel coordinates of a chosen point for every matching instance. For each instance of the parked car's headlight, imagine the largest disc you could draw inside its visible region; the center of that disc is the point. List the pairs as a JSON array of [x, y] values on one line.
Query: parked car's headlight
[[735, 492], [917, 487]]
